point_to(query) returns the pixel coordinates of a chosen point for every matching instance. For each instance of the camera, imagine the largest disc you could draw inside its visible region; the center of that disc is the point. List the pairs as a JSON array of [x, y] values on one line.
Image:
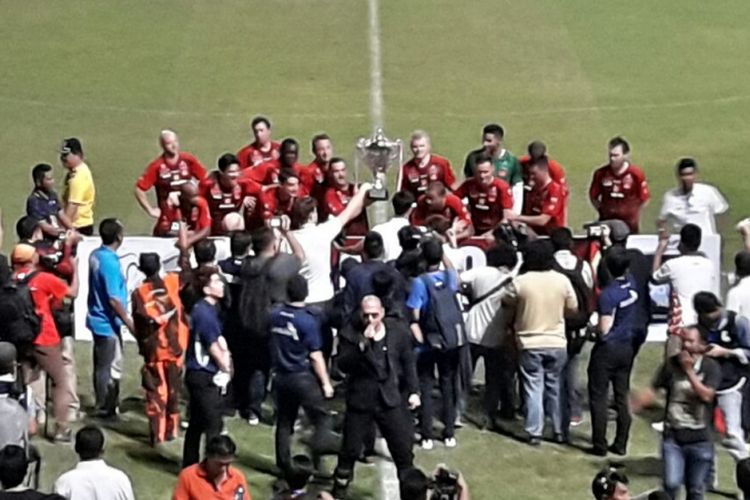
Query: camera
[[444, 485], [516, 235], [594, 230], [275, 222]]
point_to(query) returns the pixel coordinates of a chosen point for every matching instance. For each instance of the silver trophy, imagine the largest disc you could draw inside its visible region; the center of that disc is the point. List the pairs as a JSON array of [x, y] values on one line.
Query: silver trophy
[[377, 154]]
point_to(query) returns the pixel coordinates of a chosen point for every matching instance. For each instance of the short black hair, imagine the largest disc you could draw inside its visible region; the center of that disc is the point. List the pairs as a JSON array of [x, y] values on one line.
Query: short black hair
[[110, 230], [39, 171], [706, 303], [537, 149], [289, 142], [413, 484], [72, 145], [318, 137], [287, 173], [502, 255], [263, 238], [619, 141], [260, 119], [402, 201], [686, 164], [239, 242], [482, 158], [373, 245], [538, 256], [690, 237], [225, 161], [542, 163], [220, 446], [205, 251], [742, 264], [617, 261], [561, 238], [25, 227], [302, 209], [606, 481], [296, 288], [432, 251], [409, 237], [13, 466], [89, 442], [149, 263], [494, 129]]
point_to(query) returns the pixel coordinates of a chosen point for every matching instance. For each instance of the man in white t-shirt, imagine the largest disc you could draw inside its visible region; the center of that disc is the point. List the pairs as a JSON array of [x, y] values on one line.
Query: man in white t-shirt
[[738, 297], [688, 274], [691, 201], [316, 239], [92, 478], [403, 205]]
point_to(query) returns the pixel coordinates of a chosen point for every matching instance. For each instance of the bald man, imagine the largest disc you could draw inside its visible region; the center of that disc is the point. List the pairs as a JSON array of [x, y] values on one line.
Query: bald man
[[193, 210], [376, 355], [170, 170]]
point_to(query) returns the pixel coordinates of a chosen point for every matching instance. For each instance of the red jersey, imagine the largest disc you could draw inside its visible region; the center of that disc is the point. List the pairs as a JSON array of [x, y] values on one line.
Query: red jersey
[[416, 178], [199, 217], [486, 203], [47, 291], [619, 196], [556, 171], [315, 178], [221, 202], [453, 209], [267, 174], [252, 155], [546, 200], [273, 207], [336, 200], [167, 179]]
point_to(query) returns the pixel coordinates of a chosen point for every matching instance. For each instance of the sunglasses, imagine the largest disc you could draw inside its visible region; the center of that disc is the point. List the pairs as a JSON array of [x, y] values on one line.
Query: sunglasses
[[370, 315]]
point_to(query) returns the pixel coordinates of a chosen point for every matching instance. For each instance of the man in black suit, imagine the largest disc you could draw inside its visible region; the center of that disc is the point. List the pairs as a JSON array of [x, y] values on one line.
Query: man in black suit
[[377, 358]]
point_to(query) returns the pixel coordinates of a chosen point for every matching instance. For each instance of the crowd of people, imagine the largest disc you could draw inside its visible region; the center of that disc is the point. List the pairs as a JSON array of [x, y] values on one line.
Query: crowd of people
[[315, 303]]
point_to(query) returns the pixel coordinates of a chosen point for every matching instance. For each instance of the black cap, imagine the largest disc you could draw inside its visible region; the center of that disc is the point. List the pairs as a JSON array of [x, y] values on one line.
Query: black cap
[[71, 146]]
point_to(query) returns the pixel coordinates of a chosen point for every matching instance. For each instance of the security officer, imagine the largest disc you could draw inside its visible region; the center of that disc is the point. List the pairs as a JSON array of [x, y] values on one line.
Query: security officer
[[377, 357], [301, 376], [728, 339]]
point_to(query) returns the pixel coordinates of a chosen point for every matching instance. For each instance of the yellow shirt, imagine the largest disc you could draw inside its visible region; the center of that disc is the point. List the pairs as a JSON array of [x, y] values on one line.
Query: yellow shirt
[[79, 189]]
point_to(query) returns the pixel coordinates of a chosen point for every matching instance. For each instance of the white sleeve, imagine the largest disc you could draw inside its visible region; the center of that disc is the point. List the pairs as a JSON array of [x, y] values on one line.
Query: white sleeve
[[733, 300], [332, 227], [719, 204], [664, 211], [517, 191], [663, 274]]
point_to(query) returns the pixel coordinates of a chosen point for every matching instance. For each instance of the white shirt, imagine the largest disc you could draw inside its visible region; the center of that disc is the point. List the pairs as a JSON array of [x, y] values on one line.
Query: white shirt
[[455, 256], [688, 275], [316, 241], [738, 298], [485, 321], [568, 261], [697, 207], [389, 232], [94, 480]]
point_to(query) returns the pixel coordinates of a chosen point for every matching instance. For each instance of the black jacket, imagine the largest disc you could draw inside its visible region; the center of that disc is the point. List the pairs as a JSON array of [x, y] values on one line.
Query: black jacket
[[364, 391]]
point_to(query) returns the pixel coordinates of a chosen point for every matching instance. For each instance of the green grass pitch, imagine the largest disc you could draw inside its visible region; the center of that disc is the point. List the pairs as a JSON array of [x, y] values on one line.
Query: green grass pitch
[[671, 76]]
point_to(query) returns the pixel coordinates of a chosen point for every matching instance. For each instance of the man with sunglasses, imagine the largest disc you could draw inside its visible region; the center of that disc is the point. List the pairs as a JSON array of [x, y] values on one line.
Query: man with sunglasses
[[376, 356], [80, 193]]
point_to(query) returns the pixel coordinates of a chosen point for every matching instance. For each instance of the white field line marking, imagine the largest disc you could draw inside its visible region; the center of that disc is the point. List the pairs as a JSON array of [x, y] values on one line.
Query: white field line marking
[[376, 73]]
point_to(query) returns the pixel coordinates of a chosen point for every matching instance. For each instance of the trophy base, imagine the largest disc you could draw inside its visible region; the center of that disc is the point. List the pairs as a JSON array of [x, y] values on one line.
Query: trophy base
[[378, 194]]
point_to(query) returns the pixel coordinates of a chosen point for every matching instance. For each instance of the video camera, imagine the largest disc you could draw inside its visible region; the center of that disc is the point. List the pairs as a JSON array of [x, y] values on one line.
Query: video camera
[[516, 235], [444, 485]]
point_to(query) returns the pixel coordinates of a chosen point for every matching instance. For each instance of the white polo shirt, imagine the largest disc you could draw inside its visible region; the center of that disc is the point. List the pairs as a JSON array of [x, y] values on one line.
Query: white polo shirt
[[698, 207], [316, 240], [94, 480], [688, 275], [389, 232], [738, 298]]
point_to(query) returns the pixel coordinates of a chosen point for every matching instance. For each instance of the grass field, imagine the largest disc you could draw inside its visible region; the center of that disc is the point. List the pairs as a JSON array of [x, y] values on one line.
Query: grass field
[[672, 76]]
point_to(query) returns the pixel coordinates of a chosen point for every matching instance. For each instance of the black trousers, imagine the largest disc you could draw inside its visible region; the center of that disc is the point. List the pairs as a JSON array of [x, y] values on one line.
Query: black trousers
[[447, 366], [293, 391], [252, 364], [106, 389], [205, 413], [610, 363], [499, 372], [395, 426]]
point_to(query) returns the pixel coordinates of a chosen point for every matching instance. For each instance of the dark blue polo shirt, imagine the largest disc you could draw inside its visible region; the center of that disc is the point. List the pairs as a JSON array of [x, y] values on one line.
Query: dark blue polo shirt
[[295, 333], [205, 329], [42, 206], [619, 299]]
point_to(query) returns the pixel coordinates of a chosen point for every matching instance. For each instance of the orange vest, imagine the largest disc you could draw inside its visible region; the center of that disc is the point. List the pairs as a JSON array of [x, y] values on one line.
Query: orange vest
[[161, 327]]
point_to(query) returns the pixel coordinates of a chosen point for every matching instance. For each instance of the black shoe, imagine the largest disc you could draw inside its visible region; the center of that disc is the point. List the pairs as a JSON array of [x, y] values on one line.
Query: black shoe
[[598, 452], [560, 439], [617, 450], [535, 440]]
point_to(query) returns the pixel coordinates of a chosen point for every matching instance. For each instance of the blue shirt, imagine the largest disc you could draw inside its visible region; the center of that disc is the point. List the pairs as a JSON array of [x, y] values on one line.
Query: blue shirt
[[295, 333], [205, 329], [419, 297], [619, 300], [105, 281], [43, 206]]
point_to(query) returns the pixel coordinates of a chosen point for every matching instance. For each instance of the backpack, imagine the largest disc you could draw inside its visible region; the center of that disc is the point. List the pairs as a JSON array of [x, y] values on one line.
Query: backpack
[[443, 324], [584, 296], [20, 322], [255, 300]]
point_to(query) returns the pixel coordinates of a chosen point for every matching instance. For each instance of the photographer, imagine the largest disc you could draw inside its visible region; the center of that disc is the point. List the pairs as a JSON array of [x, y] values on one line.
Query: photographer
[[610, 484], [444, 484]]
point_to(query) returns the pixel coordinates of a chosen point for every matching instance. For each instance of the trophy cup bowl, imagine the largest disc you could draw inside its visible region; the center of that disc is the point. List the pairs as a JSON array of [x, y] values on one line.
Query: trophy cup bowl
[[376, 155]]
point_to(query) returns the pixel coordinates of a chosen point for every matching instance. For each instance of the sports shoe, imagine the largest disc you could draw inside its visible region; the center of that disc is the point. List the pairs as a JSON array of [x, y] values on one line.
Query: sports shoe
[[576, 421], [63, 436], [253, 420], [427, 444], [658, 426], [450, 442]]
